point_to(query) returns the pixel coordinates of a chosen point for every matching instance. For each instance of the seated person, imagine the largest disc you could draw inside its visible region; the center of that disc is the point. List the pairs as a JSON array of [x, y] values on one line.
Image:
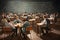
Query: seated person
[[46, 23], [7, 24], [25, 25], [4, 21], [51, 17], [17, 20], [9, 16]]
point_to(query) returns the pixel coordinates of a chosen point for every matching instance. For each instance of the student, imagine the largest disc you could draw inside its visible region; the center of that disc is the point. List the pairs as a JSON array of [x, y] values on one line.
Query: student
[[4, 21], [46, 23], [17, 20], [25, 25]]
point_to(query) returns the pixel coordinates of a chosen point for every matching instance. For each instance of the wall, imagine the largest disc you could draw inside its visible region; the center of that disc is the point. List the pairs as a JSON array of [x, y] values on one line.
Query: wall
[[18, 6]]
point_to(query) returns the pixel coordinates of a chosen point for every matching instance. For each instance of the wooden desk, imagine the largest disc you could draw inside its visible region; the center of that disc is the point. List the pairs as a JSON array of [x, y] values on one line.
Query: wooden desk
[[32, 19], [38, 27], [36, 17], [18, 25], [32, 22], [39, 24]]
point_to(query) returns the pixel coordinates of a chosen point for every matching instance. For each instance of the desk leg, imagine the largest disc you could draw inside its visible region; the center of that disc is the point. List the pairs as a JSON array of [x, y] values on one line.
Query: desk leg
[[39, 30], [21, 33], [16, 30]]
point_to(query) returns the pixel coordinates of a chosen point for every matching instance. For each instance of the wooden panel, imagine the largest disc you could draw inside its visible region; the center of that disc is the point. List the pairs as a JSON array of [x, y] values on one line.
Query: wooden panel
[[7, 29], [29, 28]]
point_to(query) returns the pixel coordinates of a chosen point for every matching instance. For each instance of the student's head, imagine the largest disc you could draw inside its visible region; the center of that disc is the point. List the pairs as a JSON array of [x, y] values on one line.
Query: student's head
[[16, 17]]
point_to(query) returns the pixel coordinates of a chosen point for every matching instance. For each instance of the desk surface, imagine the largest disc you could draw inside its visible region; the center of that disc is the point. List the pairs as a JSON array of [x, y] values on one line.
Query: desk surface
[[18, 25], [39, 24], [36, 17], [32, 19]]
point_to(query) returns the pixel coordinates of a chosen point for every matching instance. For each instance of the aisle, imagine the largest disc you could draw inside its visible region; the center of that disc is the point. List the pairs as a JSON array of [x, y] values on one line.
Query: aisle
[[33, 36]]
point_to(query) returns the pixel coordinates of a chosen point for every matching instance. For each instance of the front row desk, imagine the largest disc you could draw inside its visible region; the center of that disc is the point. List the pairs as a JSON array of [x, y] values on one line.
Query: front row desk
[[36, 25], [18, 27]]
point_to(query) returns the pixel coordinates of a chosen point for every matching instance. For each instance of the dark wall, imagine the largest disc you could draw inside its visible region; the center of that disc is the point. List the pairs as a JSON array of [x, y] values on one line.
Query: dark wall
[[2, 5], [18, 6], [30, 6], [57, 5]]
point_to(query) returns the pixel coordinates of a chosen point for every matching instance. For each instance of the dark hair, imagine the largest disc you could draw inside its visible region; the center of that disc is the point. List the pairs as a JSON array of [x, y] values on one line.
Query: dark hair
[[45, 16]]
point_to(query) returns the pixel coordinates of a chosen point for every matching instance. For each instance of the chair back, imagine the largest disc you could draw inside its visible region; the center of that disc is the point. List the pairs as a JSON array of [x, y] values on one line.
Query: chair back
[[29, 28]]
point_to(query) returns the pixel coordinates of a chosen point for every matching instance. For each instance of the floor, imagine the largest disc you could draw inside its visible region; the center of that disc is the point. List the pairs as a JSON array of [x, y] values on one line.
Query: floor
[[33, 36], [53, 35]]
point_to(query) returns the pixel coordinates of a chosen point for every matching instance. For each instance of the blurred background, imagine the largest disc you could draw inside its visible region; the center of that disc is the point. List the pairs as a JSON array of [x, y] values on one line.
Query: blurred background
[[29, 6]]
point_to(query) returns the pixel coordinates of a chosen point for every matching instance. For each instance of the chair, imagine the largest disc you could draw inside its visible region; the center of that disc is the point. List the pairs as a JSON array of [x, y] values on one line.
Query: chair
[[51, 27], [9, 31], [28, 29]]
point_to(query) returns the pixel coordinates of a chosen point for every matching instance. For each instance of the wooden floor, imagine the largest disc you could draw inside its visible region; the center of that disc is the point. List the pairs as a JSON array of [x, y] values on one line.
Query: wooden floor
[[53, 35]]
